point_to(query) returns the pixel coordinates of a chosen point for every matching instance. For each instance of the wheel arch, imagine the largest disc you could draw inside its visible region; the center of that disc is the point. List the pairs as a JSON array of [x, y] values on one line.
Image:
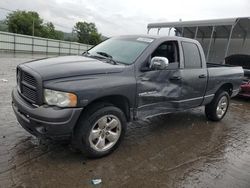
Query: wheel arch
[[118, 101], [228, 87]]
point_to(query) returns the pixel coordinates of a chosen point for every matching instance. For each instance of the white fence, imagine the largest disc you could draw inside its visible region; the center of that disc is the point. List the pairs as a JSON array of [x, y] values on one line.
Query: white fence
[[28, 44]]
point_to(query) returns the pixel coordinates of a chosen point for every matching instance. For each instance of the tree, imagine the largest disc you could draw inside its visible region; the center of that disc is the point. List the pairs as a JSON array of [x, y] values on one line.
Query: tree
[[29, 23], [87, 33], [22, 22], [48, 31], [3, 26]]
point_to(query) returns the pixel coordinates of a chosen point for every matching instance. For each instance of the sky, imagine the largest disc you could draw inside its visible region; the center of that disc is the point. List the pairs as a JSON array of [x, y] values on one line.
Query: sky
[[119, 17]]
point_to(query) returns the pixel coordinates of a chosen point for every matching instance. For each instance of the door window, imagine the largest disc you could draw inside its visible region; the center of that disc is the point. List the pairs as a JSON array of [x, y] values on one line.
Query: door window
[[169, 50], [192, 56]]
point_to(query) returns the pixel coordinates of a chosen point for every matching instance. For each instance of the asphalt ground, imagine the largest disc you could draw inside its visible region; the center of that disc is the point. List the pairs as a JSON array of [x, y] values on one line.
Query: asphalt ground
[[175, 150]]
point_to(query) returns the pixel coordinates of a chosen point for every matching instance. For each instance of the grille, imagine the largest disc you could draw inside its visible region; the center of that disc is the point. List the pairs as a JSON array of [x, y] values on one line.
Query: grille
[[29, 93], [27, 86], [29, 79]]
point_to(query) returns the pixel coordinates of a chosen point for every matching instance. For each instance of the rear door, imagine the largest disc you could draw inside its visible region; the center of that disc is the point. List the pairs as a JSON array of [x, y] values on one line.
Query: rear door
[[194, 76]]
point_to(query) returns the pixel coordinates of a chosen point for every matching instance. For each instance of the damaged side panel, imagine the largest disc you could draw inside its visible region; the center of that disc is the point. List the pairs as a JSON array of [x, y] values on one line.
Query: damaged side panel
[[158, 92]]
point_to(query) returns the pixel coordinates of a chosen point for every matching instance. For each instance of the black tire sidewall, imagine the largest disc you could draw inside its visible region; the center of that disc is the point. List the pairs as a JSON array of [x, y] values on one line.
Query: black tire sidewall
[[85, 125], [211, 109]]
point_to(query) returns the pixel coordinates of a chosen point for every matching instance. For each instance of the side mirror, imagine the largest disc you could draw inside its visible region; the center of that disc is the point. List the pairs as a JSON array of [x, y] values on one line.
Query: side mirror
[[159, 63]]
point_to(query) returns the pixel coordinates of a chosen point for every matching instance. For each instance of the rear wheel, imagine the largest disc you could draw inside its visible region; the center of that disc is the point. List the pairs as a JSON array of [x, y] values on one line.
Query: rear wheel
[[217, 109], [100, 130]]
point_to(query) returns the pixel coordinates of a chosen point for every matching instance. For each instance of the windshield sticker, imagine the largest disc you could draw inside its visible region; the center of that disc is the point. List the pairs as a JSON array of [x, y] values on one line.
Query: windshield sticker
[[145, 39]]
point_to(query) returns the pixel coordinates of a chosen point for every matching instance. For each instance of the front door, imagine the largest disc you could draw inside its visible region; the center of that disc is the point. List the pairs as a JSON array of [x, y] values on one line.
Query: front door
[[158, 90]]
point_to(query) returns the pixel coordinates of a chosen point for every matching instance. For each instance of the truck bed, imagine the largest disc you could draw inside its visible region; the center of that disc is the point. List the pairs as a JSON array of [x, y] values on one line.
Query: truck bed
[[219, 73], [246, 71], [218, 65]]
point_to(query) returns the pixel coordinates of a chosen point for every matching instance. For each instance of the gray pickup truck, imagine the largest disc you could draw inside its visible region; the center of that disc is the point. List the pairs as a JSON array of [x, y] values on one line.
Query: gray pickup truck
[[89, 99]]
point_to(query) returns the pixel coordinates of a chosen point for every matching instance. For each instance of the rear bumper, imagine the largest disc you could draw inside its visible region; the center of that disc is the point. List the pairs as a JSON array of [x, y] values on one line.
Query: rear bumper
[[47, 122]]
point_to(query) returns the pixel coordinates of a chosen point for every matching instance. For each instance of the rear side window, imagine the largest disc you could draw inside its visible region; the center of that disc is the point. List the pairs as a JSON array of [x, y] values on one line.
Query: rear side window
[[192, 57]]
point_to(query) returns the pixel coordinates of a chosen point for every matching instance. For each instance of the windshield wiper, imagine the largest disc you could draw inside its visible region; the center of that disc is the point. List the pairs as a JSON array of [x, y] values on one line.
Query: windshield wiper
[[108, 57], [104, 54], [86, 53]]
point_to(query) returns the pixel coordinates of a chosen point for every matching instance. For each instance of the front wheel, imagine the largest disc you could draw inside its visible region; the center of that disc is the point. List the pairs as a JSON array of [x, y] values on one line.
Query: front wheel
[[217, 109], [99, 132]]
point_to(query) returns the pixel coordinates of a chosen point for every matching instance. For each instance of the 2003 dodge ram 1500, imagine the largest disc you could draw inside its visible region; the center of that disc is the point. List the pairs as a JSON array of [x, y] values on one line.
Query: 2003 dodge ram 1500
[[89, 99]]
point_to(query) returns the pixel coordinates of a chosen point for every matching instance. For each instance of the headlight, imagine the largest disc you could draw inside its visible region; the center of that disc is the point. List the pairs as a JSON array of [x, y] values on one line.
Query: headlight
[[58, 98]]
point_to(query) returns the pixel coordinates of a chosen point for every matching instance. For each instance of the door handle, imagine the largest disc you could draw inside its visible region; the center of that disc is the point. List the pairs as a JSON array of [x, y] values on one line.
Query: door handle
[[202, 76], [175, 78]]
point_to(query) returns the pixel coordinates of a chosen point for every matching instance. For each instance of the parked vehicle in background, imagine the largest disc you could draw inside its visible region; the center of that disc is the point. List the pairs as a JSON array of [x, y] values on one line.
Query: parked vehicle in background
[[244, 61], [89, 99]]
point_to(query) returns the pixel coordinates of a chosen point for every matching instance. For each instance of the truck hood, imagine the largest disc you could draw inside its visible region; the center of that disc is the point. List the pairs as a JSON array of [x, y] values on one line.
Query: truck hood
[[68, 66]]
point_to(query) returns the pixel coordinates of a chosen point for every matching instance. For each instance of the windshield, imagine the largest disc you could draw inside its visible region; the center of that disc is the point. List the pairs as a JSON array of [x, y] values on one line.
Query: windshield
[[122, 50]]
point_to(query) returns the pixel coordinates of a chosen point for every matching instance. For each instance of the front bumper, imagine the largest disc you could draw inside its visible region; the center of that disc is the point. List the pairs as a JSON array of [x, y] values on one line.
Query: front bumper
[[42, 121]]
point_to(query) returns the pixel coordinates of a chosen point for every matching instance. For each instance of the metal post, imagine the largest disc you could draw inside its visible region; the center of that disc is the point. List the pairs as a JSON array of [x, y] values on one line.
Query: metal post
[[182, 31], [245, 34], [70, 48], [196, 32], [79, 49], [243, 42], [33, 27], [158, 31], [210, 43], [59, 47], [169, 31], [14, 43], [32, 45], [148, 31], [47, 47], [229, 40]]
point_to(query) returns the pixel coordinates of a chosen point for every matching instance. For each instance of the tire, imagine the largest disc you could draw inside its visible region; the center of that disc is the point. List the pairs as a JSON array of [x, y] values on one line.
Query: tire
[[99, 130], [217, 109]]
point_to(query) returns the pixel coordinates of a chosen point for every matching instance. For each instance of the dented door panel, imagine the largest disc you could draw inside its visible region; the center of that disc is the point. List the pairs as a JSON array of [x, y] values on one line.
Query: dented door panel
[[158, 92]]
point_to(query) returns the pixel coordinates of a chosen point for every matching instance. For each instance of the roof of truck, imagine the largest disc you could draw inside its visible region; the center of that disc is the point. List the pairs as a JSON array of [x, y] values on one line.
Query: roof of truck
[[155, 37]]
